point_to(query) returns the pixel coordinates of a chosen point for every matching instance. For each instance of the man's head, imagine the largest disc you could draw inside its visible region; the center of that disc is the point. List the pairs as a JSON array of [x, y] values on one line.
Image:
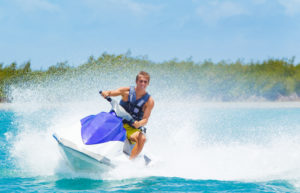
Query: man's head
[[142, 80]]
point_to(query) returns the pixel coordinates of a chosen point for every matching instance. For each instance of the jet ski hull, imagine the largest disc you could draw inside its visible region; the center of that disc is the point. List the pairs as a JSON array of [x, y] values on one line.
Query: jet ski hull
[[82, 160]]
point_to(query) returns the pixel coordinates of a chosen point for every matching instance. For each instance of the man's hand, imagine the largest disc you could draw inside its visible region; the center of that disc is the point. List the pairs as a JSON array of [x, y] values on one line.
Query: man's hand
[[105, 93], [136, 124]]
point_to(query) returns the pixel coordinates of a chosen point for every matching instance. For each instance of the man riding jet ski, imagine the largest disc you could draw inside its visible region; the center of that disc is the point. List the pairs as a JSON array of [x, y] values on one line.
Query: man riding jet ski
[[100, 141], [139, 104]]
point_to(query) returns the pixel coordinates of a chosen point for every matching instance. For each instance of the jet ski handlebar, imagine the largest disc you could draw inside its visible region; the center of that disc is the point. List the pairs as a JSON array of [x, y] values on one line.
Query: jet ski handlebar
[[107, 98], [142, 129]]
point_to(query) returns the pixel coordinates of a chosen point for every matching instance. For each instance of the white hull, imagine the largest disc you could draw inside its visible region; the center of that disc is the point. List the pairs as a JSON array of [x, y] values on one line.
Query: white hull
[[82, 160]]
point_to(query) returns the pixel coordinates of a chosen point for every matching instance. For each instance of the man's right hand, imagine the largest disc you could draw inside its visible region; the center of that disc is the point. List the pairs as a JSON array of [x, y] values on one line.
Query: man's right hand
[[105, 94]]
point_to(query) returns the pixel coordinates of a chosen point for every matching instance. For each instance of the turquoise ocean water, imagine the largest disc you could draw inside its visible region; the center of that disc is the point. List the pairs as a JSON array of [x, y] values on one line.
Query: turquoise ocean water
[[195, 146], [227, 148]]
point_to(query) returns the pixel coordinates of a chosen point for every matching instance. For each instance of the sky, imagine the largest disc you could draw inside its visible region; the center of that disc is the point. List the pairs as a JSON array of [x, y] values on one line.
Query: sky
[[46, 32]]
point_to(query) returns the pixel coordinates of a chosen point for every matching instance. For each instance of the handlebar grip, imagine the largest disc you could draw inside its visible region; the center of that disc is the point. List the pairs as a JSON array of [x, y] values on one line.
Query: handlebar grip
[[107, 98], [143, 129]]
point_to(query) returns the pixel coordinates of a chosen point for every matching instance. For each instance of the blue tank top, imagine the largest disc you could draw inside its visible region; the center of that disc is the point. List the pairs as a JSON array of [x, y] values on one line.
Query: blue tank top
[[135, 107]]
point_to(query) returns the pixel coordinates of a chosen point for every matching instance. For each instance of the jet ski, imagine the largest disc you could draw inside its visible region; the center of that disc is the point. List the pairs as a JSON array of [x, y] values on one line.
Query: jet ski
[[98, 143]]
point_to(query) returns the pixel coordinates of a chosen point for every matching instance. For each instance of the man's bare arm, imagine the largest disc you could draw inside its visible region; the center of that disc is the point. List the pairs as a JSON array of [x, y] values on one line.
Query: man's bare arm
[[147, 113], [120, 91]]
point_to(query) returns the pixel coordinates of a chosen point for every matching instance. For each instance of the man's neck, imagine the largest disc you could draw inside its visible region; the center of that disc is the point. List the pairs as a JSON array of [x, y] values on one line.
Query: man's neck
[[140, 91]]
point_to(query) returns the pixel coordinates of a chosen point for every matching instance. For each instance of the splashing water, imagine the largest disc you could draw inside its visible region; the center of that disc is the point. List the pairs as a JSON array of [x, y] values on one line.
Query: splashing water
[[187, 137]]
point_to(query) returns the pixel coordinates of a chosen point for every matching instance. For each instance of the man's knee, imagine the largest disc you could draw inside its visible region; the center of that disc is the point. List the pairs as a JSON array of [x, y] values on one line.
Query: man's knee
[[138, 138], [142, 138]]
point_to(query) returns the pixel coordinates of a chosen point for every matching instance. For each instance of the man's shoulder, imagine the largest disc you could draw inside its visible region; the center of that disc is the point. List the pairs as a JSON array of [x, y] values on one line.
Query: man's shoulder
[[151, 98], [150, 101]]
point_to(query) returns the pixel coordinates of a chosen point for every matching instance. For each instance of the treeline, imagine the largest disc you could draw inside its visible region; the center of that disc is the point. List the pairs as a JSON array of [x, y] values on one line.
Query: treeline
[[272, 79]]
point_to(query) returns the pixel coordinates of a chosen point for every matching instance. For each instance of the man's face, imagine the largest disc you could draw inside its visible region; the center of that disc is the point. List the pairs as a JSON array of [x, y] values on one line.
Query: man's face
[[142, 82]]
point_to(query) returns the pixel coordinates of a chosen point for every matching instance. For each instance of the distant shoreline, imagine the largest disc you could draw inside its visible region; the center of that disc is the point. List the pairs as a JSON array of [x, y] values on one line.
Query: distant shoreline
[[253, 99], [203, 104], [5, 106], [267, 80]]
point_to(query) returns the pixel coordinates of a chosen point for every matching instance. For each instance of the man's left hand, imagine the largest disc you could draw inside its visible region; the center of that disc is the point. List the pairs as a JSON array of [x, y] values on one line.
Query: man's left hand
[[136, 124]]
